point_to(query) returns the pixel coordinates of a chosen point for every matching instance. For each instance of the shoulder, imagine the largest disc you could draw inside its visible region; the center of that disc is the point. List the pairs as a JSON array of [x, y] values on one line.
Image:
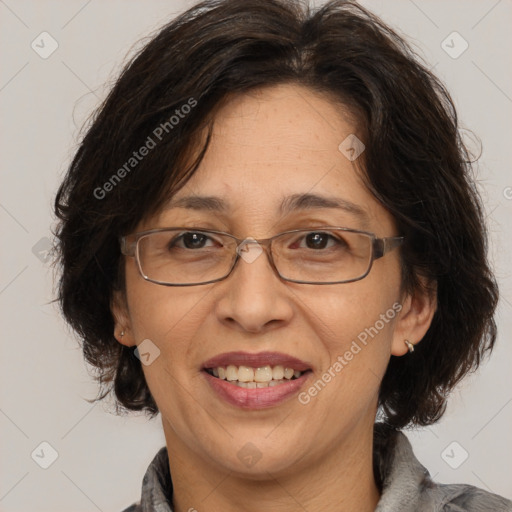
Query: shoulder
[[467, 498], [406, 484], [133, 508], [156, 492]]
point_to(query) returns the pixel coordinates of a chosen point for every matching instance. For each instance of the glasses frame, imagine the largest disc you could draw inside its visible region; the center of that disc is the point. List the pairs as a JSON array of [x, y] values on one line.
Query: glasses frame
[[379, 247]]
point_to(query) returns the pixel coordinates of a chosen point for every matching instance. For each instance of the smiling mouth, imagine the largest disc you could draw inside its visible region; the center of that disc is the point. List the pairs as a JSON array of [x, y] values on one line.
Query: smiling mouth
[[252, 378]]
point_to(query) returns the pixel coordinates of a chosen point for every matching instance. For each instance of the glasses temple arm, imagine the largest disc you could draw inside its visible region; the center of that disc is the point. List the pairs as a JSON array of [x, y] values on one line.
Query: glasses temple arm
[[127, 248], [384, 245]]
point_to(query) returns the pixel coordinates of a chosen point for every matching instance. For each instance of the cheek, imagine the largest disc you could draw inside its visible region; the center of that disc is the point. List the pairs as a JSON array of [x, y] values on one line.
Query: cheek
[[354, 341], [353, 307], [168, 316], [173, 320], [354, 322]]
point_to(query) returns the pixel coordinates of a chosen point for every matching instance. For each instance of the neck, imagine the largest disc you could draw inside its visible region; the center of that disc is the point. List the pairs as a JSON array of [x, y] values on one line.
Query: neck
[[339, 481]]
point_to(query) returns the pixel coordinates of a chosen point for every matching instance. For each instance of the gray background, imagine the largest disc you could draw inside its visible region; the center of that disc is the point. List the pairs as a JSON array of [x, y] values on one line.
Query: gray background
[[44, 382]]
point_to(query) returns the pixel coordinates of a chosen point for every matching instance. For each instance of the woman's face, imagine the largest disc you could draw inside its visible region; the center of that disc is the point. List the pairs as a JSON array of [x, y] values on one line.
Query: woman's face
[[267, 146]]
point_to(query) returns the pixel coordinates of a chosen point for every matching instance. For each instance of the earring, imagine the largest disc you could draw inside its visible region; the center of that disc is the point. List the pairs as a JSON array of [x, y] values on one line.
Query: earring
[[121, 334], [410, 346]]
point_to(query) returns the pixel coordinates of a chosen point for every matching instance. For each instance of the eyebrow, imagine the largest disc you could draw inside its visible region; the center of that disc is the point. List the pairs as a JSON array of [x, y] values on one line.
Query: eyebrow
[[295, 202]]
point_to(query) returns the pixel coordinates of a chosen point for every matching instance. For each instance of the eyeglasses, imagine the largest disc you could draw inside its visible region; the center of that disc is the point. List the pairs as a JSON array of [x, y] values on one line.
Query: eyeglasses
[[320, 255]]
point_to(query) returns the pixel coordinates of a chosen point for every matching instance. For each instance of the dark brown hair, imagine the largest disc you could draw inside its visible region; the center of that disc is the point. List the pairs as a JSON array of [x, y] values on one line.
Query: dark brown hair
[[415, 164]]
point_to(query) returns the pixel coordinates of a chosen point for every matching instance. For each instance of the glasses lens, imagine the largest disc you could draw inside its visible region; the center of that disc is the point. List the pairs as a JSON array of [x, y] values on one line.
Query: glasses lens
[[194, 257], [185, 257], [323, 256]]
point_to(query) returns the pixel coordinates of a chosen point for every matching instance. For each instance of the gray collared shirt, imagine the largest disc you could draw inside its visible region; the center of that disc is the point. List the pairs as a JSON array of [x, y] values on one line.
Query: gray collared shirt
[[405, 484]]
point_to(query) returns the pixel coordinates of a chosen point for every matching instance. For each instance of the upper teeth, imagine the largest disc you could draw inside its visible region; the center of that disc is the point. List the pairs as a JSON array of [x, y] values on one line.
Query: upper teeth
[[248, 374]]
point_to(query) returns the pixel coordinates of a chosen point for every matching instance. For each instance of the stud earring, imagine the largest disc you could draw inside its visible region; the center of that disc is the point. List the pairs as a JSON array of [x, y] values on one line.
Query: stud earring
[[121, 334], [410, 346]]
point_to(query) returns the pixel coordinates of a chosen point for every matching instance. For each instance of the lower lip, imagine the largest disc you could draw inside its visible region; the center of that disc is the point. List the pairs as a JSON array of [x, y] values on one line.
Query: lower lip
[[256, 398]]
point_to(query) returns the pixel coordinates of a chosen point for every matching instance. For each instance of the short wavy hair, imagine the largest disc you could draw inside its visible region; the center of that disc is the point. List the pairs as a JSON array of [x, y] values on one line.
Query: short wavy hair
[[405, 117]]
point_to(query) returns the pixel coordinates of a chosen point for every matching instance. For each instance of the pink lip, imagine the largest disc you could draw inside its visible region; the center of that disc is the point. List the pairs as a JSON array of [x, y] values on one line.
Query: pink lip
[[258, 398], [257, 360]]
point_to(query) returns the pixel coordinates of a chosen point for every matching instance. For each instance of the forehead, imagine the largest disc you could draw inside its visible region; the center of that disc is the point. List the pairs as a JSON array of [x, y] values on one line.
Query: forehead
[[274, 151], [285, 125]]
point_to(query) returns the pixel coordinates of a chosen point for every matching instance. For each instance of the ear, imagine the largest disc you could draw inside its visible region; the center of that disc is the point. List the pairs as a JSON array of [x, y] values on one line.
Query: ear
[[122, 326], [415, 317]]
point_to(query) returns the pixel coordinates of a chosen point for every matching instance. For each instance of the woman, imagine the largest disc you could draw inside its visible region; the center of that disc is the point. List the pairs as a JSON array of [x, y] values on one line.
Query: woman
[[268, 235]]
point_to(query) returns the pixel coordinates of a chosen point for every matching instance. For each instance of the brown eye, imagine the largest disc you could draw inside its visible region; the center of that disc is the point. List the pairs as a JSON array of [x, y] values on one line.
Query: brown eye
[[192, 240], [321, 240]]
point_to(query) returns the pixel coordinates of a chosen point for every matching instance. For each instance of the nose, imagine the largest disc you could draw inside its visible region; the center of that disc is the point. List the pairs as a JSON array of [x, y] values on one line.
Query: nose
[[253, 297]]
